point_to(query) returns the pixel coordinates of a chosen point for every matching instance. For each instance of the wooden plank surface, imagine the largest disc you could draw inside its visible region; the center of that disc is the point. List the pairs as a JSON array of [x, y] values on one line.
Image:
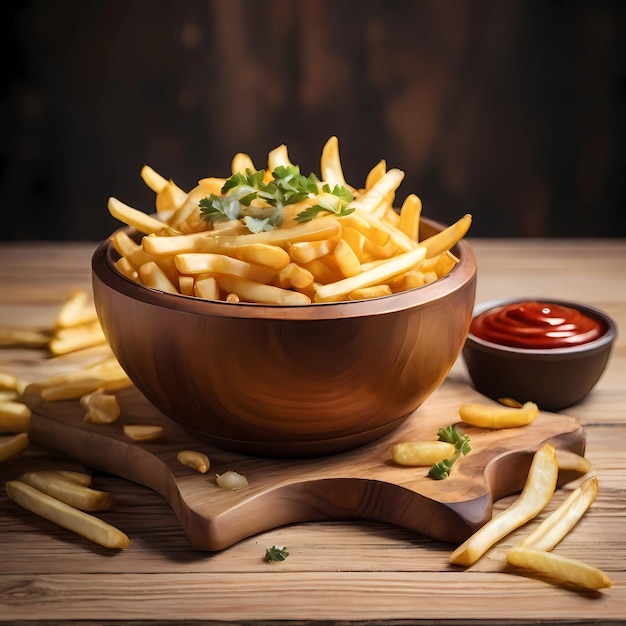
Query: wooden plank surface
[[337, 571]]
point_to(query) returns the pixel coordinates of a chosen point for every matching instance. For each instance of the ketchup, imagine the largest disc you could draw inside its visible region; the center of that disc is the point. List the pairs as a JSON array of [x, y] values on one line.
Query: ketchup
[[536, 325]]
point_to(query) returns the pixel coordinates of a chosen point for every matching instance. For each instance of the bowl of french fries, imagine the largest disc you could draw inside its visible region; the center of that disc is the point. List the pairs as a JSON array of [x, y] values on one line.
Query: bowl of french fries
[[546, 351], [280, 315]]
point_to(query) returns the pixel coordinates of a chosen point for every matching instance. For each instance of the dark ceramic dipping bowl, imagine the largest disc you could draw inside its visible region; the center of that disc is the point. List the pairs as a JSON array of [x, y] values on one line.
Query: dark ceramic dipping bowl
[[287, 381], [554, 378]]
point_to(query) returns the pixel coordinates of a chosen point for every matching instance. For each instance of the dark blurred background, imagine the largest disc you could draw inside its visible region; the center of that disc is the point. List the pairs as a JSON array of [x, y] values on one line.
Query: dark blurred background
[[512, 110]]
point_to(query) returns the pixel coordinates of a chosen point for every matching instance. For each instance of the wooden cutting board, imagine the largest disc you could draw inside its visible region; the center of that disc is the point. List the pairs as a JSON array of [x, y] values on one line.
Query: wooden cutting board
[[361, 484]]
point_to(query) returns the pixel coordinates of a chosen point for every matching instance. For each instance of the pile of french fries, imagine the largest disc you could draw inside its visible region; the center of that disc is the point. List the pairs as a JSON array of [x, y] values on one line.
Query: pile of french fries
[[374, 251], [76, 328]]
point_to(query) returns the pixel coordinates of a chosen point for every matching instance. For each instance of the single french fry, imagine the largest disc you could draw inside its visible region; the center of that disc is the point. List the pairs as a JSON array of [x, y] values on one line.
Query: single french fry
[[569, 460], [101, 407], [262, 254], [78, 309], [498, 416], [79, 478], [9, 382], [12, 446], [347, 261], [66, 516], [142, 222], [559, 567], [448, 237], [330, 164], [24, 338], [378, 195], [206, 287], [410, 214], [14, 417], [56, 486], [294, 276], [206, 262], [375, 174], [169, 198], [125, 267], [305, 251], [375, 291], [153, 276], [536, 494], [261, 293], [186, 285], [554, 528], [355, 240], [153, 179], [196, 460], [421, 453], [103, 371], [377, 274], [144, 432], [242, 162], [75, 338], [277, 157]]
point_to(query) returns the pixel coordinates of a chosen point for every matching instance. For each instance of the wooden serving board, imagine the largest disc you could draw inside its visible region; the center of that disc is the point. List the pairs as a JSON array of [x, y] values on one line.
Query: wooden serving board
[[361, 484]]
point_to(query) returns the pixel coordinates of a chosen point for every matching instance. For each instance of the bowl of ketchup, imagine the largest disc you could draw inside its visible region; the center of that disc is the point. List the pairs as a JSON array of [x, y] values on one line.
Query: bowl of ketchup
[[545, 351]]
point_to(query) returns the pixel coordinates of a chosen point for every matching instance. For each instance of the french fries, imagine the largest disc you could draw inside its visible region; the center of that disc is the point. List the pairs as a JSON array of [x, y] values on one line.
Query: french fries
[[14, 417], [144, 432], [332, 242], [68, 491], [562, 520], [66, 516], [559, 567], [12, 446], [196, 460], [421, 453], [498, 416], [536, 494]]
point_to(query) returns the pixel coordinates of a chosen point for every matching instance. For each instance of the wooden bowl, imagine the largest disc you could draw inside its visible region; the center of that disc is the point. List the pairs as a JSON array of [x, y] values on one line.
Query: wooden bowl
[[282, 381], [554, 378]]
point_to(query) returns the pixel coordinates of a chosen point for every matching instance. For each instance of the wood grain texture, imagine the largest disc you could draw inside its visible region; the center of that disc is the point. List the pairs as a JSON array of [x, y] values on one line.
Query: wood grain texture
[[337, 571], [362, 484]]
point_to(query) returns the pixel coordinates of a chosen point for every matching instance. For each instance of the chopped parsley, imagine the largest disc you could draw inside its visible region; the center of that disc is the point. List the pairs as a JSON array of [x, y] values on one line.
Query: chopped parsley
[[286, 187]]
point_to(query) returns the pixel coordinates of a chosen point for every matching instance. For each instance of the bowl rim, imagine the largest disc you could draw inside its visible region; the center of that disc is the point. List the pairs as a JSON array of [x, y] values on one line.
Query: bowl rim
[[465, 271], [607, 338]]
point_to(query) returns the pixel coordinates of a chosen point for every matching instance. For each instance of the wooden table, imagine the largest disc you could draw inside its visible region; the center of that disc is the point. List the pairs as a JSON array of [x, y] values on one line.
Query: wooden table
[[337, 571]]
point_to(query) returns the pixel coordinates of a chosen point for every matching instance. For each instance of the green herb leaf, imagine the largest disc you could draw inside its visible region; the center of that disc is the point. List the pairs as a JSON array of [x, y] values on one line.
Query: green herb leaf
[[276, 553], [450, 434]]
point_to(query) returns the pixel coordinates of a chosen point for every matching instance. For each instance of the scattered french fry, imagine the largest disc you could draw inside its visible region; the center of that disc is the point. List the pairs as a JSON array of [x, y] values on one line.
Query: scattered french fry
[[14, 417], [536, 494], [24, 338], [144, 432], [79, 478], [59, 487], [101, 407], [196, 460], [558, 567], [562, 520], [12, 446], [569, 460], [498, 416], [421, 453], [78, 337], [77, 309], [66, 516]]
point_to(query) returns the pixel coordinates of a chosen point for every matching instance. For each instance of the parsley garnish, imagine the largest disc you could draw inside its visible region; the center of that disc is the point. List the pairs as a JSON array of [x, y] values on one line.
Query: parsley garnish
[[287, 186], [276, 553], [462, 446]]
